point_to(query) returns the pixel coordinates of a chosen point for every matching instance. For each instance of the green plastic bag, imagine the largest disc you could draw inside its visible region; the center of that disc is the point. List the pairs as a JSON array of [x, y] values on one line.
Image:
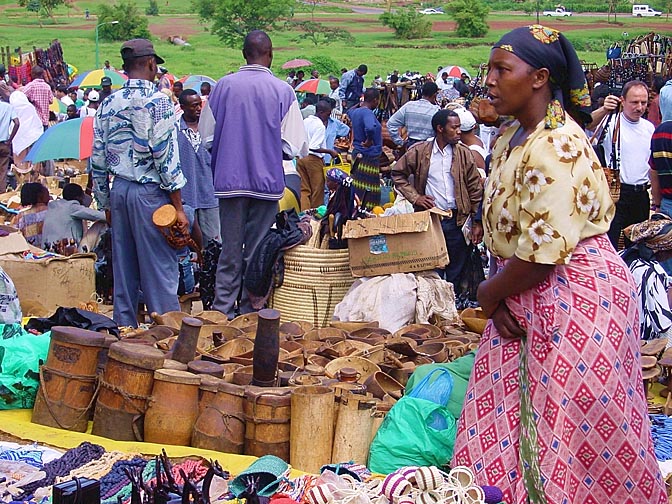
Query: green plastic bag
[[21, 354], [414, 432]]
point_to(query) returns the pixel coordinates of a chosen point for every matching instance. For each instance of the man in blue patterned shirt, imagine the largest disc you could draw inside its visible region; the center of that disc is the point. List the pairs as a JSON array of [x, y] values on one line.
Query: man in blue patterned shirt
[[135, 149]]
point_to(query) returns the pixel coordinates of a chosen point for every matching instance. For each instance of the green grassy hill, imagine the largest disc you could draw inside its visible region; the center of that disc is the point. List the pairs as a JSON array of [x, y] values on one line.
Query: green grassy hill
[[374, 45]]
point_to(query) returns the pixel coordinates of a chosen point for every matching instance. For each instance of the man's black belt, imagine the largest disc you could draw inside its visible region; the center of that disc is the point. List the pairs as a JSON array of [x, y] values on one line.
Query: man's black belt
[[635, 187]]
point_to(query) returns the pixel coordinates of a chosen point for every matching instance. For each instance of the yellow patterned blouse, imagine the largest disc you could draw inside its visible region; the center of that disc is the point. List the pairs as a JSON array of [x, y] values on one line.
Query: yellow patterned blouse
[[543, 197]]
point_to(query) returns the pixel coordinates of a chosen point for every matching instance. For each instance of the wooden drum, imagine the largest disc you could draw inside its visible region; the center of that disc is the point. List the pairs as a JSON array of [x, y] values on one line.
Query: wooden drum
[[125, 388], [267, 414], [173, 408], [221, 425], [68, 379]]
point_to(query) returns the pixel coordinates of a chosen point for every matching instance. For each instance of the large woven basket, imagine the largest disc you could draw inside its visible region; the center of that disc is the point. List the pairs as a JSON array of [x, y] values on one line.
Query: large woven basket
[[315, 281]]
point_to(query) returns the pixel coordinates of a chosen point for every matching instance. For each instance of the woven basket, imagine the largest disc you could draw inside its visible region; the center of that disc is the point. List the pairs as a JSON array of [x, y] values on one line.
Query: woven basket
[[315, 281]]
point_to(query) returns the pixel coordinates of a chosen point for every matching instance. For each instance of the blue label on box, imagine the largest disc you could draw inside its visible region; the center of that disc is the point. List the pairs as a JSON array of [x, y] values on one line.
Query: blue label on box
[[378, 245]]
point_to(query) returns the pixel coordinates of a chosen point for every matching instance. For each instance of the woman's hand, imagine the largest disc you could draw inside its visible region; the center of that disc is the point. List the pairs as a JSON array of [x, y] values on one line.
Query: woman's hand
[[505, 323], [487, 303]]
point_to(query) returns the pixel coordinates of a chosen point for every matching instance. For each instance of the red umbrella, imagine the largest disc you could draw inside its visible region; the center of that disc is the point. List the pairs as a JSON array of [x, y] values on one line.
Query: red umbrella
[[453, 71], [296, 63]]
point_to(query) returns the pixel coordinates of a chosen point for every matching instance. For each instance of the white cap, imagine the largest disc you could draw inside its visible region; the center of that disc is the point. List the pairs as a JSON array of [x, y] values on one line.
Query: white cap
[[467, 119], [94, 96]]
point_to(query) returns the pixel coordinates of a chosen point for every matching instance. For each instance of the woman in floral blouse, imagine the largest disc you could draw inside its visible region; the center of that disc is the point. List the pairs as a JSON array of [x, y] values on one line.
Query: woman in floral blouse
[[555, 410]]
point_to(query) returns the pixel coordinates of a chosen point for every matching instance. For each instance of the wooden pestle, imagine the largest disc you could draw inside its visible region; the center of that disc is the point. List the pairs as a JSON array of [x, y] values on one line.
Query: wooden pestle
[[266, 349]]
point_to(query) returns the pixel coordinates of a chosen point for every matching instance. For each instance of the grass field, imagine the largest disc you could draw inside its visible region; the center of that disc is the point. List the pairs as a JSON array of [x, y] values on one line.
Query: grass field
[[374, 45]]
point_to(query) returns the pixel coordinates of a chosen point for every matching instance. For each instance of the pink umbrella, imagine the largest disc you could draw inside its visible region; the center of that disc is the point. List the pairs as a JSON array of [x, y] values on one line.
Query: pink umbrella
[[296, 63]]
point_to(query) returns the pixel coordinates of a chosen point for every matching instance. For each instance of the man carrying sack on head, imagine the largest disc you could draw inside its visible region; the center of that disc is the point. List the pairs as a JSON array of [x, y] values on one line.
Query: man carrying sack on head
[[135, 141]]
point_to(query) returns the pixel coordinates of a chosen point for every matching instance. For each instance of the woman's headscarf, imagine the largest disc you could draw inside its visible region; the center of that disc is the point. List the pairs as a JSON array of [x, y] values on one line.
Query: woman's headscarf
[[542, 47], [655, 233]]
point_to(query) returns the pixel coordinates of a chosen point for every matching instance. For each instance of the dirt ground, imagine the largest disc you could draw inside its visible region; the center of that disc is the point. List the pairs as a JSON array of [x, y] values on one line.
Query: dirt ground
[[174, 26]]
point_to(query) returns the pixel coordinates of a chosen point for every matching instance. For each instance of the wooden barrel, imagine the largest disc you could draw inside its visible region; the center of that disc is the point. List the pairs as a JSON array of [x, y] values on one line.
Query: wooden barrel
[[68, 379], [267, 414], [173, 407], [312, 428], [125, 387], [207, 391], [352, 437], [221, 425]]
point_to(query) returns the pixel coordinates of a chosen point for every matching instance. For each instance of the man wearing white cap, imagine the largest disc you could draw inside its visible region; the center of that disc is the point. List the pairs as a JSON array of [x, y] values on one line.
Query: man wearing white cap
[[89, 110], [468, 137]]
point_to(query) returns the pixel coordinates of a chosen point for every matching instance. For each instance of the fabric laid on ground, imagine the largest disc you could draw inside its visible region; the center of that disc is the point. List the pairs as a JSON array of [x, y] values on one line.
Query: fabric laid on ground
[[17, 423]]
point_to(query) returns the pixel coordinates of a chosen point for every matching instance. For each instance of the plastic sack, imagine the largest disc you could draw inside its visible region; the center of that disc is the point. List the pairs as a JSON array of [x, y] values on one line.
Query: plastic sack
[[437, 389], [21, 355], [460, 369], [415, 432]]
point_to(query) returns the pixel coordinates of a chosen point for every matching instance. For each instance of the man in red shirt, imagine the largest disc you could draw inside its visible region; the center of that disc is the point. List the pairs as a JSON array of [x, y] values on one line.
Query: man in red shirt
[[39, 94]]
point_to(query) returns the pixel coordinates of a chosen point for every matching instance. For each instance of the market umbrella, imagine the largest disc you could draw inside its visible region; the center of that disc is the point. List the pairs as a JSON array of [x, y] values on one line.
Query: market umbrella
[[453, 71], [71, 139], [296, 63], [58, 107], [194, 81], [316, 86], [92, 79]]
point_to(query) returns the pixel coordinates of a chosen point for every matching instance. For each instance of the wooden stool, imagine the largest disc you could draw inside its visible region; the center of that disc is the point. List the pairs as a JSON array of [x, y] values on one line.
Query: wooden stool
[[650, 370], [653, 347]]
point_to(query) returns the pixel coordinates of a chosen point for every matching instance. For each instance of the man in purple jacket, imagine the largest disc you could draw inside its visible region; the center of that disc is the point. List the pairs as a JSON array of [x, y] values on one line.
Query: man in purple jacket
[[257, 121]]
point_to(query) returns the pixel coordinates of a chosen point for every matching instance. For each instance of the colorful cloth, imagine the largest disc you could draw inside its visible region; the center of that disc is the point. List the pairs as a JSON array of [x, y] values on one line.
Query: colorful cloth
[[30, 457], [366, 177], [661, 157], [542, 47], [135, 138], [523, 214], [561, 417]]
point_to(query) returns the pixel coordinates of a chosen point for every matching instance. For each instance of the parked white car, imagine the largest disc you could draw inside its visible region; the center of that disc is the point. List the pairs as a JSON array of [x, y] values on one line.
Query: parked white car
[[558, 12], [431, 11], [644, 11]]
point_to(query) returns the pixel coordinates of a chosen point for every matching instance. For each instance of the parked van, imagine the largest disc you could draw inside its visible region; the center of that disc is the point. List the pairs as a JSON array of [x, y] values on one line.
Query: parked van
[[644, 11]]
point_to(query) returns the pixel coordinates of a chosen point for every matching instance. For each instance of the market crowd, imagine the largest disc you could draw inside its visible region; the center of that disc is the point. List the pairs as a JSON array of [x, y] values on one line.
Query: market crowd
[[555, 411]]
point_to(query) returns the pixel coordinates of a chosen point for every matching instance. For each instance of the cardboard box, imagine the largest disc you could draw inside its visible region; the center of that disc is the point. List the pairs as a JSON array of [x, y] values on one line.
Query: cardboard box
[[396, 244], [49, 283]]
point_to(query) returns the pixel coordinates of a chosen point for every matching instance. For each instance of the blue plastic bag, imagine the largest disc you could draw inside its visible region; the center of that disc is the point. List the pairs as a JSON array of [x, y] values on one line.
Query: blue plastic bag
[[437, 390]]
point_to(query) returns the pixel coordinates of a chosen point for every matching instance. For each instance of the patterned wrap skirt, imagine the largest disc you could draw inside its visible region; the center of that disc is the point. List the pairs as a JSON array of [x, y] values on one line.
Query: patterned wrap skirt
[[560, 416], [366, 176]]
